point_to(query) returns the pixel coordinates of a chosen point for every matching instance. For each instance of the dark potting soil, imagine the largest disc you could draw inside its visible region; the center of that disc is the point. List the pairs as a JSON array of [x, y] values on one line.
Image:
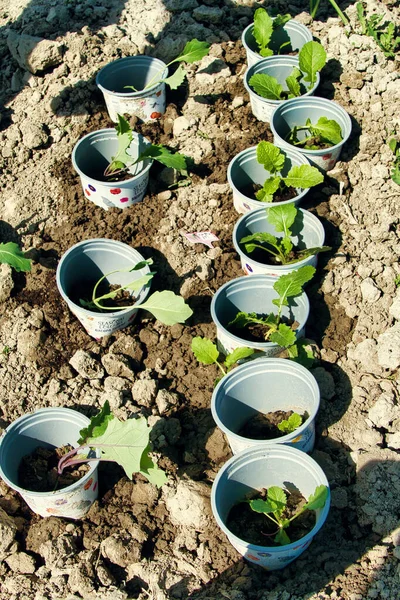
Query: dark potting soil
[[255, 332], [37, 471], [287, 193], [265, 258], [264, 426], [81, 294], [256, 528], [313, 144]]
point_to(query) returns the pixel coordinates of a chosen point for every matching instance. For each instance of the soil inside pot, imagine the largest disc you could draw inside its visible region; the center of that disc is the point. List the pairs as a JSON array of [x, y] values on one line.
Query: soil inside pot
[[256, 528], [264, 426], [81, 294], [255, 332], [314, 143], [283, 195], [37, 472]]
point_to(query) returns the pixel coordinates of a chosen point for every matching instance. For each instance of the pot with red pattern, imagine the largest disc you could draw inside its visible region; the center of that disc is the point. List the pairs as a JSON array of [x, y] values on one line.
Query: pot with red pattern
[[49, 428], [90, 158], [144, 74]]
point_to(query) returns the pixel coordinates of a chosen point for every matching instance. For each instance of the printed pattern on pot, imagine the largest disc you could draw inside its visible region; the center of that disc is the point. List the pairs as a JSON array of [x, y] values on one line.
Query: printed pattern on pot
[[100, 325], [227, 345], [147, 108], [121, 197], [269, 560]]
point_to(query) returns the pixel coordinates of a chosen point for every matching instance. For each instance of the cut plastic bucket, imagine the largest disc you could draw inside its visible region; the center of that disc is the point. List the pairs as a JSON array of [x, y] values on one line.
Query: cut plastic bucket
[[307, 232], [294, 32], [90, 157], [83, 265], [279, 67], [295, 112], [138, 71], [50, 428], [262, 386], [260, 468], [253, 294], [244, 171]]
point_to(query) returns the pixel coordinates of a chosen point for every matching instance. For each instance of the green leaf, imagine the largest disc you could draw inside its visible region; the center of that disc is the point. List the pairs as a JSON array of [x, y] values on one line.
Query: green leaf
[[204, 350], [164, 156], [291, 284], [281, 20], [149, 468], [306, 252], [286, 248], [242, 319], [303, 176], [193, 51], [271, 185], [317, 499], [176, 79], [270, 156], [328, 129], [11, 254], [263, 237], [282, 538], [236, 355], [291, 424], [284, 336], [266, 86], [393, 145], [312, 57], [98, 424], [302, 352], [124, 136], [167, 307], [263, 27], [261, 506], [293, 82], [277, 498], [282, 217]]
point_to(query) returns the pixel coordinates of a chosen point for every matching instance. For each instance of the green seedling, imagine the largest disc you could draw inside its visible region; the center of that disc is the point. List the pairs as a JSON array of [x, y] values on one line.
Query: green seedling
[[291, 424], [273, 159], [394, 145], [385, 35], [324, 134], [264, 26], [282, 218], [312, 57], [274, 508], [192, 52], [124, 442], [165, 306], [314, 5], [123, 160], [397, 281], [287, 286], [207, 353], [11, 254]]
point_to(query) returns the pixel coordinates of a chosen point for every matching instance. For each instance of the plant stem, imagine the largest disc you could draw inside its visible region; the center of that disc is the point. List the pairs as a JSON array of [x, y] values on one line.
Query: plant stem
[[221, 367]]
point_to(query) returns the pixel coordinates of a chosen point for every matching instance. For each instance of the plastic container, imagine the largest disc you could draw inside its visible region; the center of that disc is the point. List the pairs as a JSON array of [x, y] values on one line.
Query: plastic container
[[307, 232], [295, 112], [138, 71], [257, 468], [253, 294], [90, 157], [84, 264], [50, 428], [244, 171], [294, 32], [262, 386], [279, 67]]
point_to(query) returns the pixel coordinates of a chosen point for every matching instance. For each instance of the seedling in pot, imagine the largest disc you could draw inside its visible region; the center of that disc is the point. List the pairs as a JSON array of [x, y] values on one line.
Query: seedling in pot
[[207, 353], [280, 250], [123, 161], [273, 160], [312, 57], [192, 52], [275, 506], [124, 442], [290, 424], [11, 254], [264, 26], [165, 306], [324, 134]]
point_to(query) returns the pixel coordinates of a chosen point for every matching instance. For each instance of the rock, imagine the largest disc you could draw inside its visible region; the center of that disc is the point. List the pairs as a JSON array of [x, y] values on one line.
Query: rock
[[78, 581], [211, 69], [384, 412], [389, 348], [8, 530], [165, 400], [33, 53], [117, 383], [181, 124], [325, 382], [144, 392], [394, 310], [120, 550], [115, 398], [217, 446], [208, 14], [20, 562], [190, 506], [180, 5], [369, 291], [86, 365], [237, 101], [6, 282], [105, 577], [129, 347], [33, 135], [29, 342], [393, 440], [366, 353], [117, 365]]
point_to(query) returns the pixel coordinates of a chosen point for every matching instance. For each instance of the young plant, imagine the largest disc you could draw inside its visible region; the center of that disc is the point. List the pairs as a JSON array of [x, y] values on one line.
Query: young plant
[[394, 145], [373, 26], [314, 5], [273, 160], [264, 26], [192, 52], [312, 57], [282, 218], [165, 306], [291, 424], [324, 134], [123, 160], [124, 442], [11, 254], [274, 508], [207, 353], [287, 286]]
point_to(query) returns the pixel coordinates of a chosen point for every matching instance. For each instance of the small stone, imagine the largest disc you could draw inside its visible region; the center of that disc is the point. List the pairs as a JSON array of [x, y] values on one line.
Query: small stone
[[20, 562], [6, 282], [393, 440], [165, 400], [384, 411], [8, 530], [208, 14], [369, 291], [181, 124], [34, 53], [394, 310], [120, 550], [389, 348], [190, 505], [117, 365], [33, 134], [144, 392], [86, 365], [366, 353], [237, 101]]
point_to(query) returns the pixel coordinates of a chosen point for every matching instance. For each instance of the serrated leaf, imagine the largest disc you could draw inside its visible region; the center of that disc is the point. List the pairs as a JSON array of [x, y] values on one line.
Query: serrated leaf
[[253, 241], [176, 79], [277, 498], [282, 538], [204, 350], [291, 284], [271, 185], [98, 424], [284, 336], [236, 355], [266, 86], [328, 129], [263, 27], [149, 468], [270, 156], [303, 176], [286, 246], [164, 156], [261, 506], [11, 254], [193, 51], [167, 307], [291, 424], [265, 52], [312, 57], [317, 499], [124, 138], [281, 20], [293, 82], [282, 217], [302, 353]]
